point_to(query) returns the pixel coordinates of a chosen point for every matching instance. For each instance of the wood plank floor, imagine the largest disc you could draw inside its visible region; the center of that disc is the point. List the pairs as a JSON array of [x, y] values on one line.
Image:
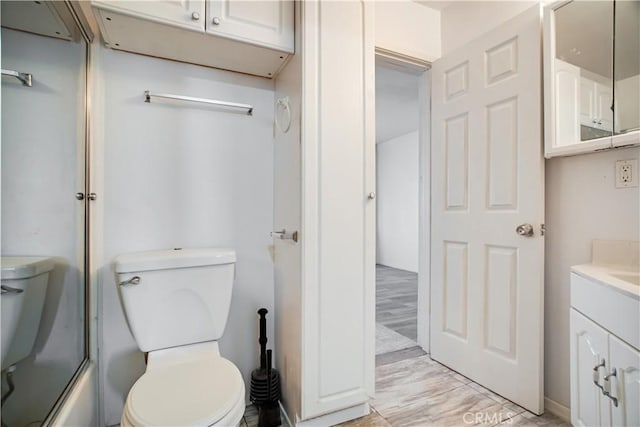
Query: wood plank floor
[[397, 300], [414, 390]]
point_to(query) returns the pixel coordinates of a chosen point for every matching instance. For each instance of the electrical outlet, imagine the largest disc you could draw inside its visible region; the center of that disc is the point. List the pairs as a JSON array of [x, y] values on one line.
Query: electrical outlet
[[626, 173]]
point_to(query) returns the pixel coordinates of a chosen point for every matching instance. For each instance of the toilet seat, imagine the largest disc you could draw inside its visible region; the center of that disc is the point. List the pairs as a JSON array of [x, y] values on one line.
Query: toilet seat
[[201, 392]]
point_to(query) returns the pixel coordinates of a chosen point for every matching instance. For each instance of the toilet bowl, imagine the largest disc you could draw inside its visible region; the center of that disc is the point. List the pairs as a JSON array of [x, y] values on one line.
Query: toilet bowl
[[176, 304], [188, 386]]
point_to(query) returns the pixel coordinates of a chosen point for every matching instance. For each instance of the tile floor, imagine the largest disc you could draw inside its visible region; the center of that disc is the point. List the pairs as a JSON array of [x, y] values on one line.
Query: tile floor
[[414, 390]]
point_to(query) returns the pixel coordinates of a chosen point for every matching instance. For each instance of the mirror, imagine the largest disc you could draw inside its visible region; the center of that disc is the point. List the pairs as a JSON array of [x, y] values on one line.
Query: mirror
[[583, 57], [44, 68], [591, 76], [627, 66]]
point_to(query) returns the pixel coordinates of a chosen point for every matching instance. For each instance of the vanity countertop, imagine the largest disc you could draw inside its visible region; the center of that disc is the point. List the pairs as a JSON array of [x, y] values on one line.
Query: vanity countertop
[[615, 263], [607, 290], [622, 278]]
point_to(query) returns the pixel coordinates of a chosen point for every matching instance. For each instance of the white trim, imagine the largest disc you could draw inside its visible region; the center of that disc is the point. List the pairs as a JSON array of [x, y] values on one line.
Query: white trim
[[557, 409], [399, 60], [337, 417], [626, 139]]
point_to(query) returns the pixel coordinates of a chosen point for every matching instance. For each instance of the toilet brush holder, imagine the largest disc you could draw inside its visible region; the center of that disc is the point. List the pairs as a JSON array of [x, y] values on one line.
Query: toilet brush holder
[[265, 382]]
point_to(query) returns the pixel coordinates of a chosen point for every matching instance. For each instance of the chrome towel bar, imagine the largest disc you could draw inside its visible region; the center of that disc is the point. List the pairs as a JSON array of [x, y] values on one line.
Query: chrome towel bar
[[148, 95], [25, 78]]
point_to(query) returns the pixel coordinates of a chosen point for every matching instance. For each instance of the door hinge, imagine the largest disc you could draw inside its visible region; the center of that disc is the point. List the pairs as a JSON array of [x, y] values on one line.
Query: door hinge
[[542, 229]]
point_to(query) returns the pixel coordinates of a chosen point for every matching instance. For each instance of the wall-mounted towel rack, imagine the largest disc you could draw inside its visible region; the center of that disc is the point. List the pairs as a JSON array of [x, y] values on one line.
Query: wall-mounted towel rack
[[25, 78], [148, 95]]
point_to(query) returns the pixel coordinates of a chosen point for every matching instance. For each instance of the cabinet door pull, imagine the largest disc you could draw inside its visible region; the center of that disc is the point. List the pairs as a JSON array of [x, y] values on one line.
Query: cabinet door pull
[[606, 390], [596, 374]]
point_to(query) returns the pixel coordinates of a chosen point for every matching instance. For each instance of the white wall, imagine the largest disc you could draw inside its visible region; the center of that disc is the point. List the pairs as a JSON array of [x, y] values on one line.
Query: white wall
[[581, 202], [42, 165], [408, 28], [462, 21], [182, 175], [397, 198], [397, 102]]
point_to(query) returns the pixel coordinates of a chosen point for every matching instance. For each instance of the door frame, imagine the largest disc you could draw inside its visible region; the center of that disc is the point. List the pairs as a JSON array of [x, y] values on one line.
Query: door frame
[[419, 68]]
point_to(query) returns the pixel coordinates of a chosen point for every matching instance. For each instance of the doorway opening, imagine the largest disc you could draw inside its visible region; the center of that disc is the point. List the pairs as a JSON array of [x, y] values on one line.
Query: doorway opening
[[402, 205]]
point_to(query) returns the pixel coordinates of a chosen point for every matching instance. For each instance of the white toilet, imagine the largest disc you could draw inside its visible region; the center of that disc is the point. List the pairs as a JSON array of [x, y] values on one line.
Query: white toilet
[[176, 303], [24, 288]]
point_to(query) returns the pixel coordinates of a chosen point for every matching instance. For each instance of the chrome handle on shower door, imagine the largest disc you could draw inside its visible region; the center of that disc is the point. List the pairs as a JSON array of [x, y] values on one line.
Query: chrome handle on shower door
[[9, 290]]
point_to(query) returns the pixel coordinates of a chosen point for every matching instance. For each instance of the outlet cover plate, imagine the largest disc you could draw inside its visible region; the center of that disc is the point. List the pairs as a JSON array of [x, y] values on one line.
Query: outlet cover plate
[[627, 173]]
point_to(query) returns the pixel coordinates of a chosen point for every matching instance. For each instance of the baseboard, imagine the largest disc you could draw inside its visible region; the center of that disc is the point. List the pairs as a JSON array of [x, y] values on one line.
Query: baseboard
[[337, 417], [557, 409]]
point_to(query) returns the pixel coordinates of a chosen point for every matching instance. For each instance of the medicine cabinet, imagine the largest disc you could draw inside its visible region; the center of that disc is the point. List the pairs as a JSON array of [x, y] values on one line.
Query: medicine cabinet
[[591, 76]]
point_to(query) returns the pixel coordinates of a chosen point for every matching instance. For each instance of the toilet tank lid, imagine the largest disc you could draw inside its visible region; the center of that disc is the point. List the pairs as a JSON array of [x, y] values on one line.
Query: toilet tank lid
[[24, 267], [173, 258]]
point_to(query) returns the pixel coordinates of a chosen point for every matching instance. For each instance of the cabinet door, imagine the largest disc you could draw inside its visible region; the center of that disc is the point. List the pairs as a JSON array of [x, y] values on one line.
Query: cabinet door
[[184, 13], [587, 102], [267, 23], [568, 101], [589, 407], [626, 385]]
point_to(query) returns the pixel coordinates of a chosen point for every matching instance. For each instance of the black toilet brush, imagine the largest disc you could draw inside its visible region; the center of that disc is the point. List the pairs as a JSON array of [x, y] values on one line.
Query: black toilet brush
[[265, 382]]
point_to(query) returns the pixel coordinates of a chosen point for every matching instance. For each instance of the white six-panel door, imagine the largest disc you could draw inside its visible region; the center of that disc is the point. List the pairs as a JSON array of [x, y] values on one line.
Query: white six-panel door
[[487, 179]]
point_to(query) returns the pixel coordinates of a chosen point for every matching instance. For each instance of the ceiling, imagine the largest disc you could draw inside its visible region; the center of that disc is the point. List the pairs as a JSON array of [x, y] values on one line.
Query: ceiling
[[438, 5], [396, 103]]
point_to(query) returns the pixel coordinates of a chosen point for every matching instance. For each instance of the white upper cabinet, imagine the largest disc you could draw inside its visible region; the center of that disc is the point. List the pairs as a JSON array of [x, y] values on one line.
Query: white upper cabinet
[[183, 13], [580, 76], [252, 37], [568, 113], [595, 104], [269, 23]]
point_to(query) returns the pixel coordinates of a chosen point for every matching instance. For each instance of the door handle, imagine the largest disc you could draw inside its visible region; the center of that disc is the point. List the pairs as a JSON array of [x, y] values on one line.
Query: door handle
[[525, 230], [283, 235], [596, 374]]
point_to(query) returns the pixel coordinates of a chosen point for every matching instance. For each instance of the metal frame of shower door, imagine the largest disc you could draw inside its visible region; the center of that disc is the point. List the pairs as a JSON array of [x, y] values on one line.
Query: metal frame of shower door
[[87, 36]]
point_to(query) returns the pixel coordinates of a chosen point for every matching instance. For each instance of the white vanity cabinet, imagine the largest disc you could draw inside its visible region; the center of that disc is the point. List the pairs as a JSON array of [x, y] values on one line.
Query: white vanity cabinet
[[252, 37], [589, 348], [605, 360], [269, 23]]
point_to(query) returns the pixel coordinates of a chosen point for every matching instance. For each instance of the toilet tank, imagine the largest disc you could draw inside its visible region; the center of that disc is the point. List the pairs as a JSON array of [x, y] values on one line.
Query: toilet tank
[[176, 297]]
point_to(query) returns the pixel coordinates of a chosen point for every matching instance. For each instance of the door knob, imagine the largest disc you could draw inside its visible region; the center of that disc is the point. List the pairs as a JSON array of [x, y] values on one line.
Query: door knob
[[215, 20], [525, 230], [195, 16], [371, 195]]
